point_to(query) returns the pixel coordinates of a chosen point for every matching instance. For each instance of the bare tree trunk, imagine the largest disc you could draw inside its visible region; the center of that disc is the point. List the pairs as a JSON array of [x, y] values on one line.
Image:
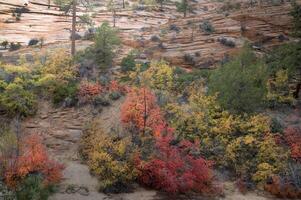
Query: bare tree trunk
[[48, 4], [114, 18], [123, 3], [18, 135], [73, 28], [145, 113]]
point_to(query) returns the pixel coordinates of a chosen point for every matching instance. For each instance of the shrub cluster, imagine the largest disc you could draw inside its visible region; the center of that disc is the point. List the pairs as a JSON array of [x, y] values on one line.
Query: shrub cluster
[[30, 173], [109, 157]]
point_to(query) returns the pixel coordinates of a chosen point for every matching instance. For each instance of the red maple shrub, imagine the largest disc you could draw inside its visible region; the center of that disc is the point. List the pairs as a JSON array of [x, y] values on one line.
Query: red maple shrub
[[175, 169], [32, 158], [88, 90], [114, 86], [293, 138], [140, 110]]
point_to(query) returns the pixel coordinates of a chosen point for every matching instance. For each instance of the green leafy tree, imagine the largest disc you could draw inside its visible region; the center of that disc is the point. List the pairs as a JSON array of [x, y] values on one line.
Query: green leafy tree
[[241, 83], [106, 40]]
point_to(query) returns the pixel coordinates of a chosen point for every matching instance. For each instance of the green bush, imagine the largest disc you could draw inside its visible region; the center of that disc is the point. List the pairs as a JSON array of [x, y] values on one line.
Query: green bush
[[114, 95], [296, 14], [284, 71], [128, 63], [276, 125], [65, 92], [14, 46], [101, 100], [240, 84], [207, 27], [285, 57], [33, 188], [15, 100]]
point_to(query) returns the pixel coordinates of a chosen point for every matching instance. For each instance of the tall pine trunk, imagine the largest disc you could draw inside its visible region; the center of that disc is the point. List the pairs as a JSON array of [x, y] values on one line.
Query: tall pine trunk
[[73, 28]]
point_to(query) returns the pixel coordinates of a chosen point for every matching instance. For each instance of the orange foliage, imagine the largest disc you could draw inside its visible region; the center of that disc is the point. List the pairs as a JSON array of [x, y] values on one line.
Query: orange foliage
[[141, 111], [293, 138], [115, 87], [32, 158], [88, 90]]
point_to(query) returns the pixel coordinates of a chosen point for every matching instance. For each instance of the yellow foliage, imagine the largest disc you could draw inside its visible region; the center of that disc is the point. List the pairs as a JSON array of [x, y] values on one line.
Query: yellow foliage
[[59, 65], [19, 69], [159, 75], [109, 157], [279, 90], [264, 171]]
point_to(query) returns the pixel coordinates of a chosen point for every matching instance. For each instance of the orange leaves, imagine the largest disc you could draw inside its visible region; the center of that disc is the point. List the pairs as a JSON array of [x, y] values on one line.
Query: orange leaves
[[88, 90], [293, 138], [141, 111], [32, 158]]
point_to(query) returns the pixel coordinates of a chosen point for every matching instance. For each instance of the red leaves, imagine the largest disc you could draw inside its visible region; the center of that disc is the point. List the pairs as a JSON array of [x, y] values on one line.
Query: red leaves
[[32, 158], [293, 138], [88, 90], [115, 87], [141, 111], [174, 169]]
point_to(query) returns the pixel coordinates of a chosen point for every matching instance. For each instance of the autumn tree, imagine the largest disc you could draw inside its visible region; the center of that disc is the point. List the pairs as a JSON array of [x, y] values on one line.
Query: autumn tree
[[141, 112]]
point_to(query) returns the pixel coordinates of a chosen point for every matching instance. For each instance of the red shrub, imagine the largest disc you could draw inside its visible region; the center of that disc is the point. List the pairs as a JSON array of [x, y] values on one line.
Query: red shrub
[[174, 169], [115, 87], [88, 90], [141, 111], [293, 138], [32, 158]]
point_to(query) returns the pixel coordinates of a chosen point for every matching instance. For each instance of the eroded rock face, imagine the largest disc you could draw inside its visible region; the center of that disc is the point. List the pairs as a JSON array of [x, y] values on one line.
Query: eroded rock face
[[197, 35], [263, 26]]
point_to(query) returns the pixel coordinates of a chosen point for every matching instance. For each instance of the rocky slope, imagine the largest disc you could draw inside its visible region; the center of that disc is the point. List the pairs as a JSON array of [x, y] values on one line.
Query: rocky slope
[[159, 34]]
